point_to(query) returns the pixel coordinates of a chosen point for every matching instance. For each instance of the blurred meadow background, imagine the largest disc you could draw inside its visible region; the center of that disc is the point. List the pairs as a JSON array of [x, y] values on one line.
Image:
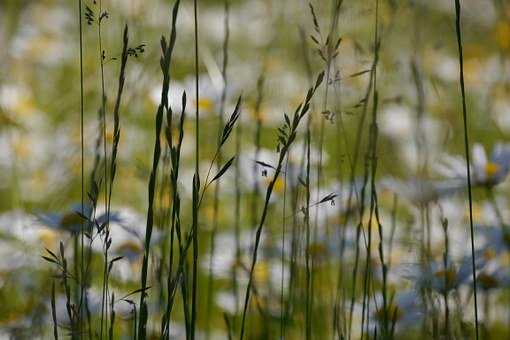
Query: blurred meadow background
[[258, 169]]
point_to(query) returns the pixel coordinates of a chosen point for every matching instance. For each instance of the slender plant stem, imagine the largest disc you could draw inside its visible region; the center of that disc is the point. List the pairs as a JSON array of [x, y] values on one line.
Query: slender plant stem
[[54, 311], [196, 182], [286, 141], [82, 169], [237, 215], [282, 296], [258, 129], [175, 217], [445, 293], [165, 61], [104, 298], [308, 264], [468, 163], [113, 165], [352, 189]]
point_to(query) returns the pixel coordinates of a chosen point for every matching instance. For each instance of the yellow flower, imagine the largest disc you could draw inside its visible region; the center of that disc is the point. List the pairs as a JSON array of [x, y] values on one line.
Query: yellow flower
[[257, 115], [48, 238], [109, 136], [279, 185], [503, 35], [25, 107], [491, 169], [472, 70], [21, 147], [166, 198], [206, 104], [261, 273]]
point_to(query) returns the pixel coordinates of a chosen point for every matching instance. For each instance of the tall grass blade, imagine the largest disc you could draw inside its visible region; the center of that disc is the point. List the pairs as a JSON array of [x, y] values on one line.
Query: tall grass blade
[[165, 61], [468, 161], [286, 138]]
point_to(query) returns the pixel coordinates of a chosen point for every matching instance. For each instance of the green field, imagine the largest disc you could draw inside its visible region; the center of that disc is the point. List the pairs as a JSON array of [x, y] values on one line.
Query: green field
[[254, 169]]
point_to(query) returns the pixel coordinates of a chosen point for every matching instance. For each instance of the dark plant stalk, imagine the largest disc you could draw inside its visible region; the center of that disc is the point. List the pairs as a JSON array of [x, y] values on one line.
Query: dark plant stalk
[[175, 228], [67, 289], [165, 60], [294, 251], [93, 195], [54, 312], [175, 224], [342, 145], [150, 218], [361, 198], [255, 193], [306, 152], [331, 47], [113, 164], [116, 129], [445, 294], [308, 259], [196, 182], [352, 188], [387, 333], [192, 238], [258, 130], [112, 318], [180, 275], [164, 215], [116, 117], [64, 275], [135, 318], [468, 163], [372, 154], [237, 215], [370, 163], [82, 155], [308, 265], [374, 209], [284, 220], [104, 298], [286, 137]]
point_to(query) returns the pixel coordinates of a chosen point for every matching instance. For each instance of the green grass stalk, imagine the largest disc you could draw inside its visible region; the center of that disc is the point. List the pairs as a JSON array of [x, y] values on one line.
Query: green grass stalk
[[468, 161], [196, 182], [165, 61], [82, 169], [286, 136]]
